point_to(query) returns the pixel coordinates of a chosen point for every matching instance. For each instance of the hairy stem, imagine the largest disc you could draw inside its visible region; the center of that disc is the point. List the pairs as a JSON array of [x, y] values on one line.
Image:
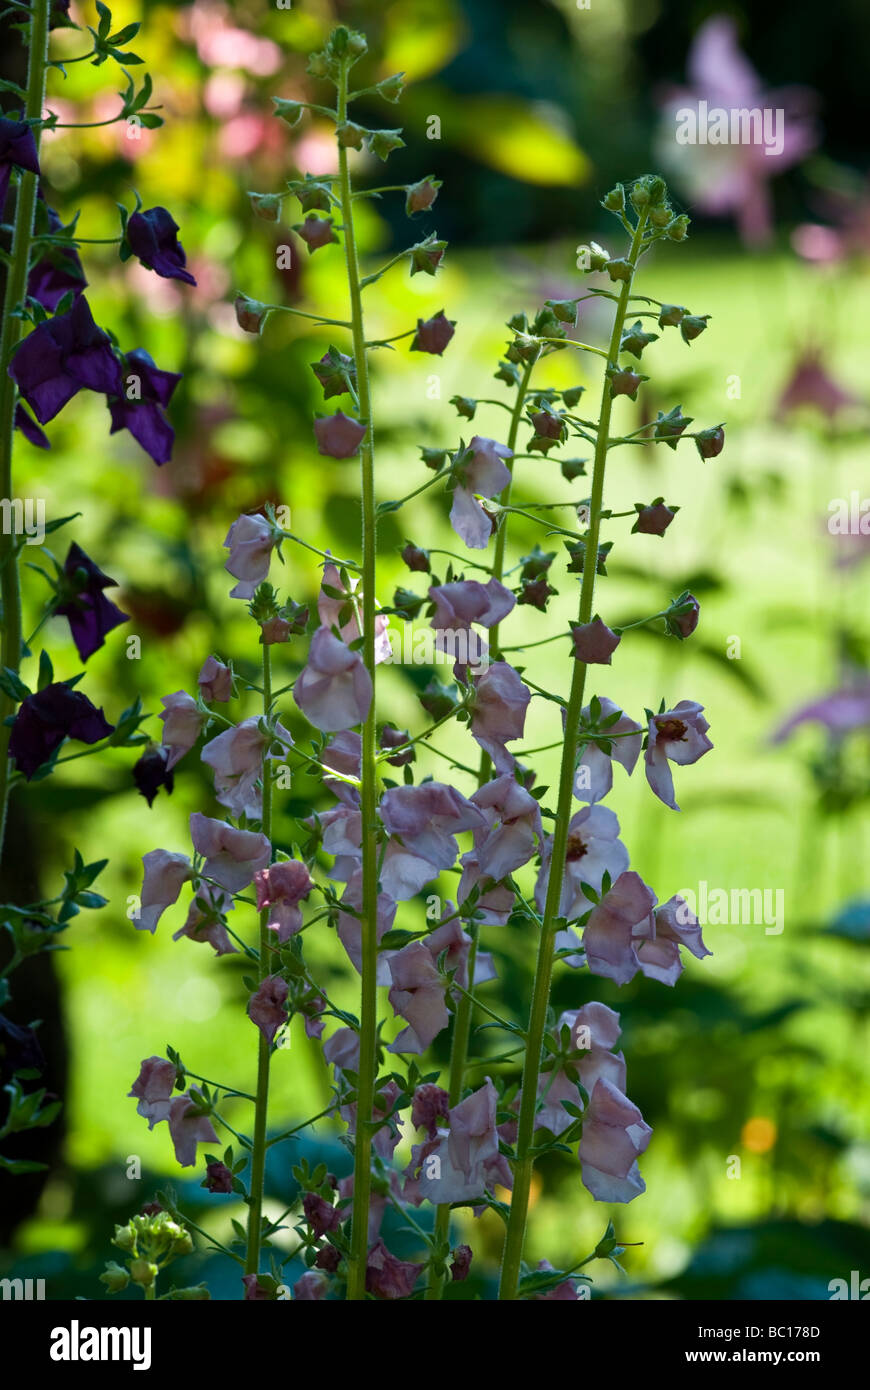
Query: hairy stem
[[264, 1050], [16, 292], [524, 1165], [362, 1164]]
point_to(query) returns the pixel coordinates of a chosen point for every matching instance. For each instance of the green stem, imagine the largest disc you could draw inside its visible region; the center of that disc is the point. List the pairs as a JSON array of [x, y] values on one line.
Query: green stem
[[16, 293], [524, 1165], [465, 1006], [264, 1047], [362, 1156]]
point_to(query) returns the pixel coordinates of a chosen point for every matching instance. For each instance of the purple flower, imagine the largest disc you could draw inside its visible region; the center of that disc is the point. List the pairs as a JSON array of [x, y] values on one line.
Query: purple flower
[[91, 615], [594, 643], [329, 612], [165, 876], [153, 1089], [468, 1153], [206, 920], [593, 848], [423, 821], [146, 392], [675, 926], [57, 270], [321, 1215], [387, 1277], [215, 681], [152, 772], [334, 690], [268, 1008], [153, 237], [499, 712], [232, 857], [839, 713], [678, 735], [457, 606], [310, 1287], [811, 384], [479, 470], [595, 768], [433, 334], [733, 178], [189, 1126], [17, 150], [281, 888], [45, 719], [431, 1103], [62, 356], [315, 232], [614, 1133], [339, 436], [513, 827], [218, 1178], [238, 759], [617, 925], [417, 994], [461, 1264], [349, 925], [30, 429], [182, 724], [250, 541]]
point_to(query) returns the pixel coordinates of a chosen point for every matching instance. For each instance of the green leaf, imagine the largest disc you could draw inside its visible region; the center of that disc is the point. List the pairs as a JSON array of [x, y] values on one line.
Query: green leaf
[[12, 685], [46, 670]]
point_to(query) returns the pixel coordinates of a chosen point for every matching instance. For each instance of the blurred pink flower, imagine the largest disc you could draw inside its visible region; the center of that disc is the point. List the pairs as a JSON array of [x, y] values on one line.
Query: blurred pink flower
[[733, 178]]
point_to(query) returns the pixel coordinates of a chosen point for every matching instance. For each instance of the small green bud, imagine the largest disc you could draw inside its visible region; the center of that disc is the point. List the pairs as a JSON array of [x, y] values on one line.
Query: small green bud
[[672, 315], [142, 1272], [114, 1277], [614, 201], [693, 325], [125, 1238], [678, 228], [620, 269], [289, 111], [266, 205]]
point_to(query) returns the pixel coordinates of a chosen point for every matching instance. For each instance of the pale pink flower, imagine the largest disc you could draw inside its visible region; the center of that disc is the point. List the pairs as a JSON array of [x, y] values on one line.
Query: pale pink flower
[[188, 1127], [334, 691], [677, 735], [387, 1277], [250, 541], [417, 995], [207, 924], [614, 1133], [499, 712], [153, 1089], [267, 1008], [182, 725], [232, 856], [470, 1163], [513, 827], [236, 757], [593, 848], [617, 927], [281, 888], [483, 473], [215, 681], [675, 926], [422, 822], [165, 875], [329, 608], [595, 768]]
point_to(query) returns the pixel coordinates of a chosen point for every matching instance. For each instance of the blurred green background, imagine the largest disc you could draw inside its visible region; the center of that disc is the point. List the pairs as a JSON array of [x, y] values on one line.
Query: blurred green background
[[760, 1052]]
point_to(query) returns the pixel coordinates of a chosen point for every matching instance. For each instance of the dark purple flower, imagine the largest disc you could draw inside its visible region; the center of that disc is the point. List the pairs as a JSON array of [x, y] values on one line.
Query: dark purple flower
[[151, 772], [461, 1264], [57, 270], [61, 357], [321, 1215], [387, 1277], [146, 391], [30, 429], [433, 334], [44, 720], [315, 232], [19, 1050], [339, 436], [80, 591], [595, 642], [218, 1178], [18, 150], [153, 237]]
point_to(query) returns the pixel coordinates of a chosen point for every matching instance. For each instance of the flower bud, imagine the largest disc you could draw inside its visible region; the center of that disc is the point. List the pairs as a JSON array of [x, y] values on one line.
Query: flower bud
[[625, 382], [266, 205], [710, 442], [315, 232], [634, 339], [396, 738], [433, 334], [620, 269], [614, 201], [313, 194], [655, 519], [420, 196], [251, 315], [218, 1178], [565, 311], [289, 111], [536, 593], [427, 256], [678, 228], [416, 559], [572, 468], [142, 1272], [681, 618], [671, 315], [548, 425], [351, 136], [335, 371], [339, 436], [668, 428], [693, 325], [383, 142], [114, 1277], [598, 256], [392, 87], [406, 602], [465, 406], [125, 1238]]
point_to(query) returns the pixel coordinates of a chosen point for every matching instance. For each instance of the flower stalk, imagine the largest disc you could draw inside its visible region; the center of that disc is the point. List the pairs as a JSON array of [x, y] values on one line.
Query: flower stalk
[[523, 1169]]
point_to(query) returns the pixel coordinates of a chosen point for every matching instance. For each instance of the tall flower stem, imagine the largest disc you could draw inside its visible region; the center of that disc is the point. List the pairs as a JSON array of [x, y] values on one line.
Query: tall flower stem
[[264, 1052], [465, 1006], [525, 1160], [362, 1167], [16, 292]]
